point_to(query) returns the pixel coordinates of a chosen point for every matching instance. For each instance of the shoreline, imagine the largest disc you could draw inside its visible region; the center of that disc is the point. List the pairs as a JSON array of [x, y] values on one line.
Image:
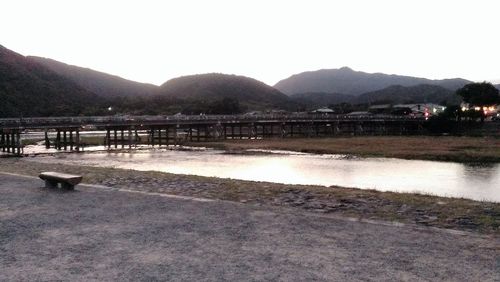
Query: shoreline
[[423, 210], [442, 148], [459, 149]]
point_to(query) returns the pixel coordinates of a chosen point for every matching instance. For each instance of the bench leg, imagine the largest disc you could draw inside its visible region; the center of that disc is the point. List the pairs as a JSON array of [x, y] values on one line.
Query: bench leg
[[67, 186], [50, 184]]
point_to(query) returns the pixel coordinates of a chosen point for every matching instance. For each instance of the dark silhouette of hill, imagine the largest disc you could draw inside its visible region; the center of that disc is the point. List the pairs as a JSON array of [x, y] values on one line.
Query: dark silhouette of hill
[[33, 86], [348, 81], [103, 84], [251, 94], [497, 86], [395, 94], [317, 100], [28, 88], [398, 94]]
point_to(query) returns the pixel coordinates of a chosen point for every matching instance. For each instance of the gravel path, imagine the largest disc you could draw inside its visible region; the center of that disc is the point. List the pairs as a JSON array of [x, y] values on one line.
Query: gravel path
[[107, 234]]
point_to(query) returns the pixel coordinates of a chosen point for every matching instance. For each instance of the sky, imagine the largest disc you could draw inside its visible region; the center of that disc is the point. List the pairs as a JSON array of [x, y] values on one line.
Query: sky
[[269, 40]]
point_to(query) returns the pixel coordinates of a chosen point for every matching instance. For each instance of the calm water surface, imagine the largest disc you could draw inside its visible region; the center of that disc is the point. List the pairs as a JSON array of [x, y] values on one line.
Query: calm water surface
[[479, 182]]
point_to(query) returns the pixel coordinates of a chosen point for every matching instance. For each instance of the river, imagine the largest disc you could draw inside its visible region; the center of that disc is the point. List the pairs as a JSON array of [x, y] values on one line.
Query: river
[[478, 182]]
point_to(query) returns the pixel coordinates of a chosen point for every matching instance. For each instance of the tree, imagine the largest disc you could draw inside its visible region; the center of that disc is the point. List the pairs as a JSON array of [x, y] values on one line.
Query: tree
[[342, 108], [451, 113], [479, 95], [226, 106]]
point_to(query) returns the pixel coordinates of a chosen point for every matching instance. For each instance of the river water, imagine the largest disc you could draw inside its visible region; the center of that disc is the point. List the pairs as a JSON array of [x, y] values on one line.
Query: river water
[[478, 182]]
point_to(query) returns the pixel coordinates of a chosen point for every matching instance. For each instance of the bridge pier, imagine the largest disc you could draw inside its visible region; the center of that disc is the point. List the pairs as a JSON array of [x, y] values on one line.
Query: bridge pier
[[65, 141], [165, 135], [10, 142], [78, 148], [57, 143], [130, 137], [65, 137], [107, 139], [47, 140], [265, 131], [115, 137], [251, 130], [3, 142], [122, 139]]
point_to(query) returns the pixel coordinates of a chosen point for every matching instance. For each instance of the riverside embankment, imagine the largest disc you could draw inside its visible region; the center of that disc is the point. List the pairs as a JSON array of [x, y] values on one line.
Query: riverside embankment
[[454, 213]]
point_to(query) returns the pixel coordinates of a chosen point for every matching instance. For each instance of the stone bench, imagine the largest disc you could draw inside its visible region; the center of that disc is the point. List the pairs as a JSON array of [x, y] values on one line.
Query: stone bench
[[52, 179]]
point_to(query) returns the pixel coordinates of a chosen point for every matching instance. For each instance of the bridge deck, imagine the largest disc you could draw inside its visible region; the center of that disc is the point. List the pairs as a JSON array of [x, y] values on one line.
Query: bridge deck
[[68, 122]]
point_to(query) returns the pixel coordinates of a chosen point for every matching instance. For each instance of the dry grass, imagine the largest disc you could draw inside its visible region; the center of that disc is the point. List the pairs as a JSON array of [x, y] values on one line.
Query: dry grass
[[459, 149]]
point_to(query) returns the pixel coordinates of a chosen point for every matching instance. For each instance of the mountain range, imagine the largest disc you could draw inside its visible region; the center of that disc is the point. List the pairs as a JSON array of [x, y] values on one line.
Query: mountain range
[[35, 86], [395, 94], [348, 81]]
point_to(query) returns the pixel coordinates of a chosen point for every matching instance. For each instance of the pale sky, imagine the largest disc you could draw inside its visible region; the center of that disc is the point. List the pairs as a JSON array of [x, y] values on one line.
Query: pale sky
[[153, 41]]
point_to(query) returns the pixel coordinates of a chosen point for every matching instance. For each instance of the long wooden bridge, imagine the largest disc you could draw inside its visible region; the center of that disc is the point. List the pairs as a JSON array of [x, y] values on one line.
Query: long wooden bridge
[[126, 131]]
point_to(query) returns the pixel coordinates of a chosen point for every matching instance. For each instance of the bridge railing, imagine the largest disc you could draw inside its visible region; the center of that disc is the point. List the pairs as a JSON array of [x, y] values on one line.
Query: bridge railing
[[100, 120]]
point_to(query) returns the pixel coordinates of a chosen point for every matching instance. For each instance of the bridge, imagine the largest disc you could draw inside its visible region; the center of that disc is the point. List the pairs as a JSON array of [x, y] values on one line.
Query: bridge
[[63, 133]]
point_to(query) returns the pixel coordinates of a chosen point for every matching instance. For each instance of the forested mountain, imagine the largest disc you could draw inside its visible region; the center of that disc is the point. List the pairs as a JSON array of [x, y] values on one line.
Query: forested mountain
[[33, 86], [398, 94], [102, 84], [28, 88], [249, 93], [348, 81], [317, 100], [395, 94]]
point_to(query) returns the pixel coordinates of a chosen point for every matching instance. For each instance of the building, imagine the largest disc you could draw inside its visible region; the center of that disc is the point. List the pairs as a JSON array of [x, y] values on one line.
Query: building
[[422, 109], [489, 111], [380, 109], [323, 111]]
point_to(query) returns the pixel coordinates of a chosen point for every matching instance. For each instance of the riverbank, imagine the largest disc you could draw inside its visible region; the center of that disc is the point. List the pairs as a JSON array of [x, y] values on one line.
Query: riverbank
[[459, 214], [434, 148]]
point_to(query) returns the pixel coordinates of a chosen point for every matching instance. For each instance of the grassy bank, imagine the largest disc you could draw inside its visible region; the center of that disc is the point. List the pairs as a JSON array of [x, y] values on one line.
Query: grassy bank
[[460, 214], [457, 149]]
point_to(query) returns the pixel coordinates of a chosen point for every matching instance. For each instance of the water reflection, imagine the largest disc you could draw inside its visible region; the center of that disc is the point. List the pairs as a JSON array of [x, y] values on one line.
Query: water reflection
[[479, 182], [485, 170]]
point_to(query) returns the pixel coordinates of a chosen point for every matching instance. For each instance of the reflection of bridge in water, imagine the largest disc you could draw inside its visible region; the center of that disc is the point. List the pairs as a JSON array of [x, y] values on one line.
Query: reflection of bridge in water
[[63, 133]]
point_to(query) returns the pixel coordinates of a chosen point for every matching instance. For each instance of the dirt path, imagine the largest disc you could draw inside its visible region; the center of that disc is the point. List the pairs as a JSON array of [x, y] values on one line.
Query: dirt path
[[107, 234]]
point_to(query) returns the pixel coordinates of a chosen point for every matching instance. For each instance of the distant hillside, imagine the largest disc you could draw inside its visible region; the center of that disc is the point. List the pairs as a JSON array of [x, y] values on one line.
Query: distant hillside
[[348, 81], [103, 84], [317, 100], [28, 88], [497, 86], [395, 94], [251, 94], [398, 94]]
